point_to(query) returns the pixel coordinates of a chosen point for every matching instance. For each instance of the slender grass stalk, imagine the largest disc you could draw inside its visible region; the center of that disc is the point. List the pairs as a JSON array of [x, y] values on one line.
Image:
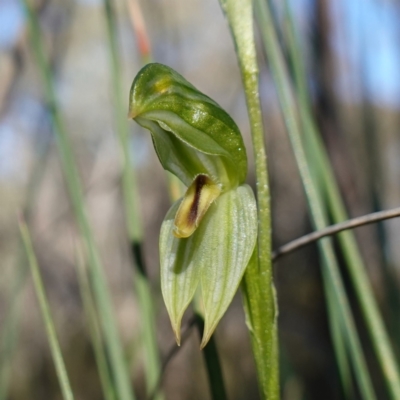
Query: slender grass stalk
[[103, 300], [142, 286], [10, 329], [46, 315], [258, 289], [213, 364], [370, 310], [339, 341], [94, 330], [120, 111], [210, 353], [330, 271]]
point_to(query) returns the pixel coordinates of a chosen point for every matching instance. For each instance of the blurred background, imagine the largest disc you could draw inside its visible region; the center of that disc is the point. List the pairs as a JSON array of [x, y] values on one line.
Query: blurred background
[[352, 57]]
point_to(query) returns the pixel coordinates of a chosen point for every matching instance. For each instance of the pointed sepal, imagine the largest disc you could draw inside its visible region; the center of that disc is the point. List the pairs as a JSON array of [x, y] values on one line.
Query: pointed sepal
[[228, 243], [180, 274]]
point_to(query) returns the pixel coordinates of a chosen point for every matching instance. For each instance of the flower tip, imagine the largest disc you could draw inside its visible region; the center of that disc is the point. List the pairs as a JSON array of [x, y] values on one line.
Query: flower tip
[[183, 233], [205, 340], [178, 337], [210, 324], [177, 331], [132, 114]]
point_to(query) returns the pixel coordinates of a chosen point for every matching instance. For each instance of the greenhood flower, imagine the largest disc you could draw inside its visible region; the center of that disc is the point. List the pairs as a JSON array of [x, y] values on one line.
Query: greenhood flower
[[208, 236]]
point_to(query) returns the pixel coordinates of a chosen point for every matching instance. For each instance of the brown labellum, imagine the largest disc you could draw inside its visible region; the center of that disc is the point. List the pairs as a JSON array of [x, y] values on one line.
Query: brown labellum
[[198, 197]]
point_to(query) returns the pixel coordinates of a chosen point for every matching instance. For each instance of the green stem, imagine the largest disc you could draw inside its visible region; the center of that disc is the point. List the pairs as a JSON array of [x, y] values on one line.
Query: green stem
[[258, 290], [103, 299], [213, 364], [46, 314]]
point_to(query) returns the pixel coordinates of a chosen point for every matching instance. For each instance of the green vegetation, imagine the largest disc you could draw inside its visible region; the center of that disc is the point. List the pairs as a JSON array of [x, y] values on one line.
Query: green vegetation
[[216, 239]]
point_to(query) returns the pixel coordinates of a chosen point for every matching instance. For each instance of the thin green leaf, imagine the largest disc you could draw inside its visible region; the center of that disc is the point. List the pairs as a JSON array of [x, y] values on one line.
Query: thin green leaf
[[330, 268], [313, 154], [128, 176], [10, 326], [46, 315], [379, 336], [94, 331], [101, 291], [339, 340]]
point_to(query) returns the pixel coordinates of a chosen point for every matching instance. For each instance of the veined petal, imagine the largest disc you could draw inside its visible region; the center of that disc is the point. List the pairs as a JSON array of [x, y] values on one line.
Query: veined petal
[[216, 254], [180, 273], [230, 234]]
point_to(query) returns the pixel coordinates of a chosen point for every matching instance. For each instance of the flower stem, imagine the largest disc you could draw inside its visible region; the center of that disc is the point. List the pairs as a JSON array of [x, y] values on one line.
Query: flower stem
[[258, 289]]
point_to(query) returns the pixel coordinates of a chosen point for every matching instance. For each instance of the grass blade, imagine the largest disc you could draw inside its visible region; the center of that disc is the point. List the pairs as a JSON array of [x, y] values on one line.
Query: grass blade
[[120, 111], [46, 314], [376, 328], [330, 271], [101, 292], [339, 344], [259, 291], [335, 322], [95, 331], [130, 197], [10, 328]]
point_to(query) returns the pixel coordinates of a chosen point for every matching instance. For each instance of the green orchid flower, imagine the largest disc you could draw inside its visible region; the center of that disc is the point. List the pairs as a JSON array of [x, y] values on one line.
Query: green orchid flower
[[208, 236]]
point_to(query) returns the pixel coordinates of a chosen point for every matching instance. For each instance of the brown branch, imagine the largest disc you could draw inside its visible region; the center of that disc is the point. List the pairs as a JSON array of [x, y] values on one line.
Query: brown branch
[[333, 229]]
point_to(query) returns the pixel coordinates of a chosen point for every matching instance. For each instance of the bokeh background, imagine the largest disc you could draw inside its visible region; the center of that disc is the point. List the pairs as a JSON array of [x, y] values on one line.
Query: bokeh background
[[351, 50]]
